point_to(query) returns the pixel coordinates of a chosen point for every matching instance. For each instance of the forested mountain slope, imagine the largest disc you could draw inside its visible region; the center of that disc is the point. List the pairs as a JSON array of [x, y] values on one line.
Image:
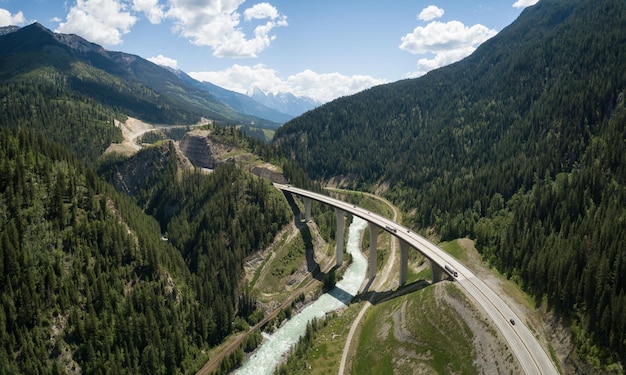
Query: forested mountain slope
[[87, 282], [521, 145]]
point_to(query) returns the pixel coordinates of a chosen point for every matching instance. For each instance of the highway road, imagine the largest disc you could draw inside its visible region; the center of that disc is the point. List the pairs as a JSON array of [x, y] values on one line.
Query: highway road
[[532, 357]]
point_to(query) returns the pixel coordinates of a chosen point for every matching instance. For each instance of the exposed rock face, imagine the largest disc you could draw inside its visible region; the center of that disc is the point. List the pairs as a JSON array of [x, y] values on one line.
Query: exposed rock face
[[269, 174], [145, 167], [201, 151]]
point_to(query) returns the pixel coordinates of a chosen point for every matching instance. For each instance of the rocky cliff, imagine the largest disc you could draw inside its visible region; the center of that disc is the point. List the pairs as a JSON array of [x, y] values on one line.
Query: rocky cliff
[[201, 150], [145, 167]]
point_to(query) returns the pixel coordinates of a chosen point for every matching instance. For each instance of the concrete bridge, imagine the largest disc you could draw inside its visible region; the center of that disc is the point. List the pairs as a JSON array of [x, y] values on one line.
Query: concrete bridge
[[375, 224], [531, 355]]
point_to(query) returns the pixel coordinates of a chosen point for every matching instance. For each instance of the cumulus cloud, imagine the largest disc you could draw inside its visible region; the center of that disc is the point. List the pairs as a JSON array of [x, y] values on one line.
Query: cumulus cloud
[[153, 11], [322, 87], [240, 78], [445, 42], [218, 24], [8, 19], [164, 61], [325, 87], [524, 3], [99, 21], [442, 58], [430, 13], [440, 37], [260, 11]]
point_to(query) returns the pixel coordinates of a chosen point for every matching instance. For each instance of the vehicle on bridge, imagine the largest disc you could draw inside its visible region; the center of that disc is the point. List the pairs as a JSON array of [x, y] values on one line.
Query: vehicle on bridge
[[451, 271], [391, 229]]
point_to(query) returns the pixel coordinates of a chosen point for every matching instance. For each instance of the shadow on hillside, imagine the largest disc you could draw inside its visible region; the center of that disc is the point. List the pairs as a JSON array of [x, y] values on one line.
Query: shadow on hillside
[[311, 265], [379, 297]]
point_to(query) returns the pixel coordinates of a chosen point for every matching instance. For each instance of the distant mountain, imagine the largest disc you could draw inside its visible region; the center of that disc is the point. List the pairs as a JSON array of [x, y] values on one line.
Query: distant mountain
[[284, 102], [239, 102], [127, 82]]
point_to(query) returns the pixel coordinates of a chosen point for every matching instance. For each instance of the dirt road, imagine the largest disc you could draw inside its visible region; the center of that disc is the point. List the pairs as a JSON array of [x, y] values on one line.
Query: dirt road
[[134, 128]]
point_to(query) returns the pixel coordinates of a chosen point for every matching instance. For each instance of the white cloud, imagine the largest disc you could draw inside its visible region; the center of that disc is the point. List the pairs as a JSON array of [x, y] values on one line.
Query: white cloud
[[439, 37], [323, 87], [151, 8], [164, 61], [241, 77], [260, 11], [214, 23], [217, 24], [524, 3], [430, 13], [445, 42], [443, 58], [7, 19], [99, 21]]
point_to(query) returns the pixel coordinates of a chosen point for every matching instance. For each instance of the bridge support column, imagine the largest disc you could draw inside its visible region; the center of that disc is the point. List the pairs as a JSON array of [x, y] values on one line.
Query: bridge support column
[[436, 271], [373, 249], [404, 261], [339, 236], [307, 208]]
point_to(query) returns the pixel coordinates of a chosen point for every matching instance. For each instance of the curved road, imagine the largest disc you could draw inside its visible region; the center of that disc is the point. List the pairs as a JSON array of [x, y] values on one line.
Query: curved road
[[524, 345]]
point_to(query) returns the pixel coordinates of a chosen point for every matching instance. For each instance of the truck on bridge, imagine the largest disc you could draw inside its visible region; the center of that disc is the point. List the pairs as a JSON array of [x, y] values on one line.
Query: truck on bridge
[[451, 271]]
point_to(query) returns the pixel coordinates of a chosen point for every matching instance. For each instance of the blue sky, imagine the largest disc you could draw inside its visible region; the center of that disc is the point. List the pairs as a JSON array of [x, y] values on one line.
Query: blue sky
[[323, 48]]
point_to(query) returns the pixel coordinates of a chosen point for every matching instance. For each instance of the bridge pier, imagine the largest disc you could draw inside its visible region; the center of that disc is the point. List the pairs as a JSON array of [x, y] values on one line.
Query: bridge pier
[[307, 208], [339, 236], [404, 261], [373, 249], [436, 272]]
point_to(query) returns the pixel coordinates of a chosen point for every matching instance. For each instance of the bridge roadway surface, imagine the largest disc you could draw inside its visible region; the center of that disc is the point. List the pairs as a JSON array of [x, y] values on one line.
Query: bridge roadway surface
[[532, 357]]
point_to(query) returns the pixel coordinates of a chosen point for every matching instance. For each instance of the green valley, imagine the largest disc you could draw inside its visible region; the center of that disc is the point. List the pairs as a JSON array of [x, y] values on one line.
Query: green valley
[[173, 250]]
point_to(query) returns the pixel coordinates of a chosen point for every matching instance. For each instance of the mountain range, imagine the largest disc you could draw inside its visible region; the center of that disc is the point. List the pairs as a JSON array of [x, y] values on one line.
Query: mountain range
[[284, 101], [33, 47]]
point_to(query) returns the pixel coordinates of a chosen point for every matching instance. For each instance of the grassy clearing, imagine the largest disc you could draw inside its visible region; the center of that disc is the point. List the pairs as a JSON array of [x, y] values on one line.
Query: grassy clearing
[[253, 283], [455, 249], [415, 334], [288, 257], [269, 134], [239, 152], [325, 355]]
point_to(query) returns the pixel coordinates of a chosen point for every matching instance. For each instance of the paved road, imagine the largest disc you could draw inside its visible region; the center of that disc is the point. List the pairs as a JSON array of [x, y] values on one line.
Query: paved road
[[524, 345]]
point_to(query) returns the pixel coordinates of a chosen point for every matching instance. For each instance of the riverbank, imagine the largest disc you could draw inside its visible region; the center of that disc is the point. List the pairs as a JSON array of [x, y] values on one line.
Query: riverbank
[[266, 358]]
